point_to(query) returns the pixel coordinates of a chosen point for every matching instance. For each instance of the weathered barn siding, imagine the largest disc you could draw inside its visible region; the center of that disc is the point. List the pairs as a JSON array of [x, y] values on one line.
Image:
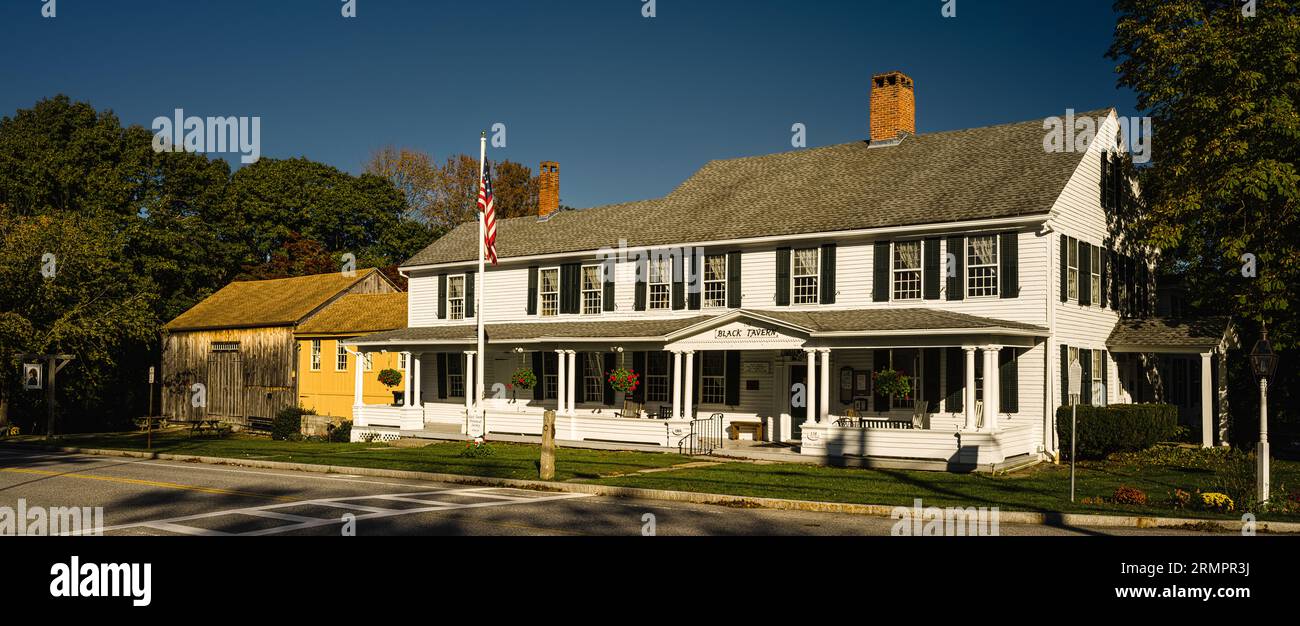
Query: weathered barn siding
[[257, 379]]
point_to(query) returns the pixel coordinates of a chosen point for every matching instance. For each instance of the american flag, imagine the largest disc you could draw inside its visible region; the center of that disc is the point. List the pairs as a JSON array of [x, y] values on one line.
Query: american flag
[[487, 204]]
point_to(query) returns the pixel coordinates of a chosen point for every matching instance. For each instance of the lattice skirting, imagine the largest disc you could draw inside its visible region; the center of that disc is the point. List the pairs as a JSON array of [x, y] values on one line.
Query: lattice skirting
[[369, 434]]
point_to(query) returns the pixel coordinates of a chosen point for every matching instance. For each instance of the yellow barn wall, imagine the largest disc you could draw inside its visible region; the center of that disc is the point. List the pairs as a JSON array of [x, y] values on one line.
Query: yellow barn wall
[[330, 392]]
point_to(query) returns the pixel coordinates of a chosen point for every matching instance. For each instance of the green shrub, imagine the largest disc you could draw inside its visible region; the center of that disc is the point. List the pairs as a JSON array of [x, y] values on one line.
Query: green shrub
[[1104, 430], [341, 433], [477, 450], [287, 425]]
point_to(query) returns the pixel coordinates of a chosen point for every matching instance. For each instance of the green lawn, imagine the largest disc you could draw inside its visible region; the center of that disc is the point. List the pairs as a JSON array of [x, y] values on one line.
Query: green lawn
[[1042, 488]]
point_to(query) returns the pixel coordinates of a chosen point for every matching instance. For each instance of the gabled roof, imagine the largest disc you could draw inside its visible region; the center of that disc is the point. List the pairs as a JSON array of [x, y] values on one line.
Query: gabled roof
[[358, 313], [1157, 334], [981, 173], [259, 303]]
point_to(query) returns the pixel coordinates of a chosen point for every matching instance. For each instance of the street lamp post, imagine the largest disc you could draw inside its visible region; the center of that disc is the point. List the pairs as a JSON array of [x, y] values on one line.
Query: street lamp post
[[1263, 361]]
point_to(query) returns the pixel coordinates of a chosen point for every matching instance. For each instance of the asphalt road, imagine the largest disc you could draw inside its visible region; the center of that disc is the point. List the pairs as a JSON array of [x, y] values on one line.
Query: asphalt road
[[143, 497]]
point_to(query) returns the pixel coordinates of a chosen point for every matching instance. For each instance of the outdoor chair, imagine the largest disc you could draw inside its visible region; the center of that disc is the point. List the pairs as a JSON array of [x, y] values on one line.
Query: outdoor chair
[[665, 412], [921, 415], [631, 409]]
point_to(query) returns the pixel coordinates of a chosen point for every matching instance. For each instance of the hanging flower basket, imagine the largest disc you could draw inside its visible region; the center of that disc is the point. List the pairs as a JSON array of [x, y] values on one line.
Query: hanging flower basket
[[523, 378], [623, 380], [890, 382], [390, 378]]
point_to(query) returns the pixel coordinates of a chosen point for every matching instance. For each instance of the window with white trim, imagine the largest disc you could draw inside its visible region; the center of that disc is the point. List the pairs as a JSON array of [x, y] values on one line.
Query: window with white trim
[[401, 361], [659, 283], [713, 377], [907, 270], [592, 289], [1072, 271], [593, 387], [315, 355], [804, 273], [367, 361], [455, 375], [656, 377], [715, 281], [341, 358], [906, 362], [550, 375], [456, 297], [1098, 379], [548, 292], [982, 266], [1096, 275]]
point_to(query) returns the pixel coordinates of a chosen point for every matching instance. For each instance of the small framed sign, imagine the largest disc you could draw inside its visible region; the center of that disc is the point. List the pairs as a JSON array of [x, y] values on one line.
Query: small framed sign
[[32, 376]]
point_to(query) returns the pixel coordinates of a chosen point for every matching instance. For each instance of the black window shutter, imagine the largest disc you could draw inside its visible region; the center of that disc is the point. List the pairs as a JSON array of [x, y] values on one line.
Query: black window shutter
[[442, 296], [694, 281], [1065, 375], [570, 287], [1085, 385], [880, 362], [442, 375], [604, 379], [1065, 268], [607, 298], [1104, 296], [1009, 281], [930, 380], [880, 273], [733, 280], [1009, 381], [783, 277], [679, 284], [828, 274], [1116, 173], [930, 268], [957, 278], [532, 290], [539, 390], [1085, 274], [639, 366], [642, 282], [469, 295], [1105, 180], [733, 378], [956, 367]]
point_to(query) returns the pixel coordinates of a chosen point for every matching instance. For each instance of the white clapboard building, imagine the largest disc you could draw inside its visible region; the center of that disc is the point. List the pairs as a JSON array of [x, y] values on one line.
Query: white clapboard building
[[765, 292]]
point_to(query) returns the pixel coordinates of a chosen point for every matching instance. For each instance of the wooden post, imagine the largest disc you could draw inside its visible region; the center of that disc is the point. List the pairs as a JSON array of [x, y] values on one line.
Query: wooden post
[[548, 446], [49, 394]]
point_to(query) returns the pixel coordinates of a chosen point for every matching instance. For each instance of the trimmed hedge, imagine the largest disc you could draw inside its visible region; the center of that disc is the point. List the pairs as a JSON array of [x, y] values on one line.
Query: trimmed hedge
[[287, 425], [1104, 430]]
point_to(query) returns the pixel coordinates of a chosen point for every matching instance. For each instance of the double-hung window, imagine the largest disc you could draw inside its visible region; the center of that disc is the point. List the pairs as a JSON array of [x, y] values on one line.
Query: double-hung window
[[1098, 379], [805, 275], [593, 382], [315, 355], [401, 361], [455, 375], [1072, 271], [456, 297], [982, 266], [715, 280], [907, 270], [1095, 258], [713, 377], [656, 379], [550, 375], [341, 358], [906, 362], [548, 291], [659, 283], [592, 289]]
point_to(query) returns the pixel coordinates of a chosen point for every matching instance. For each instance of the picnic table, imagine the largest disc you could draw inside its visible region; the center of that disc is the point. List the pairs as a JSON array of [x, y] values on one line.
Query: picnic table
[[206, 424], [156, 422]]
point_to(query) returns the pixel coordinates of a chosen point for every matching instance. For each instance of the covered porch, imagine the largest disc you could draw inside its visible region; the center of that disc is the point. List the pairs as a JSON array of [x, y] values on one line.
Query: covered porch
[[804, 380]]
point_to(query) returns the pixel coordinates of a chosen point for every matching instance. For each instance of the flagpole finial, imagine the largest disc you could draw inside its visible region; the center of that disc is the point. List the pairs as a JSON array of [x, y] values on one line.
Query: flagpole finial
[[483, 135]]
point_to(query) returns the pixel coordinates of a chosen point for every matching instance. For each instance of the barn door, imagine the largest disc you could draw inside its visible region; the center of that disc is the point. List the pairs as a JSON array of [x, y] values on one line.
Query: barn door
[[225, 384]]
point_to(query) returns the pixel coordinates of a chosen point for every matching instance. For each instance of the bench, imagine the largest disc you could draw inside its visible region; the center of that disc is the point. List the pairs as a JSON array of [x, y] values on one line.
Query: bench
[[259, 424], [151, 423], [754, 429]]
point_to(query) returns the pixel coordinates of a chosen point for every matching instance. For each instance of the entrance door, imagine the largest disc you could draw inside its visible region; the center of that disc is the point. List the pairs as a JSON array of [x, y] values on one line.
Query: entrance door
[[225, 385], [799, 376]]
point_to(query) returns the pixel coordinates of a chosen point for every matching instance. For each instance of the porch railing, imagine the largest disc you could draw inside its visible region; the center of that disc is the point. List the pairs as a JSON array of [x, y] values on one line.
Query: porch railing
[[705, 436]]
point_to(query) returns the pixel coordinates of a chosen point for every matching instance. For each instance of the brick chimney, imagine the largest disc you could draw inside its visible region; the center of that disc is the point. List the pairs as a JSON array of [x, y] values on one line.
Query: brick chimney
[[893, 106], [548, 190]]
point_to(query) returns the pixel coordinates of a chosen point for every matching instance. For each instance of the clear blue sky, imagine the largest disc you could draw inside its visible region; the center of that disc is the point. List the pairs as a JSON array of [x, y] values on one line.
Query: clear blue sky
[[630, 106]]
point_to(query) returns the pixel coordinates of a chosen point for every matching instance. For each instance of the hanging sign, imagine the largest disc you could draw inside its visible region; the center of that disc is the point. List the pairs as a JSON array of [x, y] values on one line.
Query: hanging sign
[[32, 376]]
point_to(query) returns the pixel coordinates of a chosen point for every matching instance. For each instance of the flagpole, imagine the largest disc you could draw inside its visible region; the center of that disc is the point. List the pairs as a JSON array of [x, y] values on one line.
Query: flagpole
[[478, 293]]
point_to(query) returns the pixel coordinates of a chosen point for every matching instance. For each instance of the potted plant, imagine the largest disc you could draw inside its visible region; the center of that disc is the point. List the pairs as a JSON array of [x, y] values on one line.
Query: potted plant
[[623, 379], [523, 378], [891, 382], [391, 378]]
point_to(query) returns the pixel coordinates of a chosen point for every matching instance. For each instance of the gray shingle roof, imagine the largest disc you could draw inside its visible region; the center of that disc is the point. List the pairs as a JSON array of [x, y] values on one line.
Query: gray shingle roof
[[980, 173], [1205, 333], [650, 329], [867, 320]]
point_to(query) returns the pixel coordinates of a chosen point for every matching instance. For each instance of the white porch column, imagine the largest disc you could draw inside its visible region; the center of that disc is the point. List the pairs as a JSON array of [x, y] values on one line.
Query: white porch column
[[677, 384], [824, 403], [992, 387], [413, 363], [561, 382], [406, 378], [810, 393], [569, 394], [971, 418], [1207, 404], [358, 391], [469, 381], [690, 386]]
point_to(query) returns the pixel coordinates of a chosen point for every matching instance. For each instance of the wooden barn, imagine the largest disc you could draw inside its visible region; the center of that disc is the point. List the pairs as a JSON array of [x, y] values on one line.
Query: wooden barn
[[234, 355]]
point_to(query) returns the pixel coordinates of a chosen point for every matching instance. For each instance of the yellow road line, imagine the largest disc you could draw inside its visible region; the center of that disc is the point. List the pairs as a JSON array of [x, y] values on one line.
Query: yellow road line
[[146, 483]]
